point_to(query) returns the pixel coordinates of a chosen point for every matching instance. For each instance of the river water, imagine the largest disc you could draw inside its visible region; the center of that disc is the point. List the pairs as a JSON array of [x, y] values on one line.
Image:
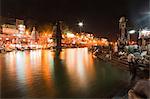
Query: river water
[[73, 73]]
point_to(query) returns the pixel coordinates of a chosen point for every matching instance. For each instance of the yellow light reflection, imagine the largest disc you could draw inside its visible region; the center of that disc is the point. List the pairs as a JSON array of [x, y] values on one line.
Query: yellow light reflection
[[80, 67], [26, 66], [10, 64], [48, 70], [20, 67]]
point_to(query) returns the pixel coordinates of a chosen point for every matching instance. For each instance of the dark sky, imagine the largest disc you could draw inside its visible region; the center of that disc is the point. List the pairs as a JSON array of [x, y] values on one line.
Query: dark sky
[[99, 16]]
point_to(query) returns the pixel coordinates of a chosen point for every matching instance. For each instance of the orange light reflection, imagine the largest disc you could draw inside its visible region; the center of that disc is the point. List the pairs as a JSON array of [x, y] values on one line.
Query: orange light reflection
[[80, 67]]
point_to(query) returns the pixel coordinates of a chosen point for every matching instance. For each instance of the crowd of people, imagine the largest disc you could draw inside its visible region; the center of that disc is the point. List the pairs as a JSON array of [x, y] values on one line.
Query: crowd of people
[[136, 59]]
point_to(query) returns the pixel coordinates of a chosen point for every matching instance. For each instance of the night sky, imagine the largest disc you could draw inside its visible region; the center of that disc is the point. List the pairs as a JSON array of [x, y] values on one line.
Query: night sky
[[99, 16]]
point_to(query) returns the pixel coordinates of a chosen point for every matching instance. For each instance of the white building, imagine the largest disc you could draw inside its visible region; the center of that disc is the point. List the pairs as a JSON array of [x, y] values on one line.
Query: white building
[[9, 29]]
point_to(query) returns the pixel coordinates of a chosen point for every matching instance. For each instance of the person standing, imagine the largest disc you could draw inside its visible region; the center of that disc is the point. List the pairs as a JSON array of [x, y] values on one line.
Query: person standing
[[132, 67]]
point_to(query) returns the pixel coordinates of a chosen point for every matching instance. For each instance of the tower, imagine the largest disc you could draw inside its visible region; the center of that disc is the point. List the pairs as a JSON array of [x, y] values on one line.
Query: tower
[[34, 34], [123, 36], [57, 35]]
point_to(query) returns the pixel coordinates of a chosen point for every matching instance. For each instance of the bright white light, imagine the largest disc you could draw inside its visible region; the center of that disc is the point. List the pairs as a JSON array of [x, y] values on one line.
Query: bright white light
[[7, 38], [70, 35], [49, 40], [144, 31], [132, 31], [80, 24], [21, 28]]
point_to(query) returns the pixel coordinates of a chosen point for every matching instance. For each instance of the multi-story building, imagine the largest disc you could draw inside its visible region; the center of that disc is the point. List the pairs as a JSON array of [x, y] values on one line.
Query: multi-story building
[[11, 28]]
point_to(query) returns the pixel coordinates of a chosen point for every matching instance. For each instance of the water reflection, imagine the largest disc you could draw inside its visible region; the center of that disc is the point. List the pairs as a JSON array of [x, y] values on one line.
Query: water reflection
[[80, 68], [66, 73]]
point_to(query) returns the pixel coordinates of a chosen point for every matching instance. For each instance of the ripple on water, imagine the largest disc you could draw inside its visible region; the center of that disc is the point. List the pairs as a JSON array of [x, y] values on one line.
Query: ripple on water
[[74, 73]]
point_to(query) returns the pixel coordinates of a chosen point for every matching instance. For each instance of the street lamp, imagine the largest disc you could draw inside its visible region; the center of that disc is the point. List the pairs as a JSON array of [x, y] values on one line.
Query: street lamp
[[132, 31], [80, 25]]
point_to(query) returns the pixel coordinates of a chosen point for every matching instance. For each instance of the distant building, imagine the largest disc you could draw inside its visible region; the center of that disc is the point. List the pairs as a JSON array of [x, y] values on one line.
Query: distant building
[[11, 25], [144, 39], [145, 33], [9, 29]]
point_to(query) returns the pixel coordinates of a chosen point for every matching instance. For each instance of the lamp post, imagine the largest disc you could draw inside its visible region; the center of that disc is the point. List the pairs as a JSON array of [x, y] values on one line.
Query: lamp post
[[132, 31], [129, 33], [80, 24]]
